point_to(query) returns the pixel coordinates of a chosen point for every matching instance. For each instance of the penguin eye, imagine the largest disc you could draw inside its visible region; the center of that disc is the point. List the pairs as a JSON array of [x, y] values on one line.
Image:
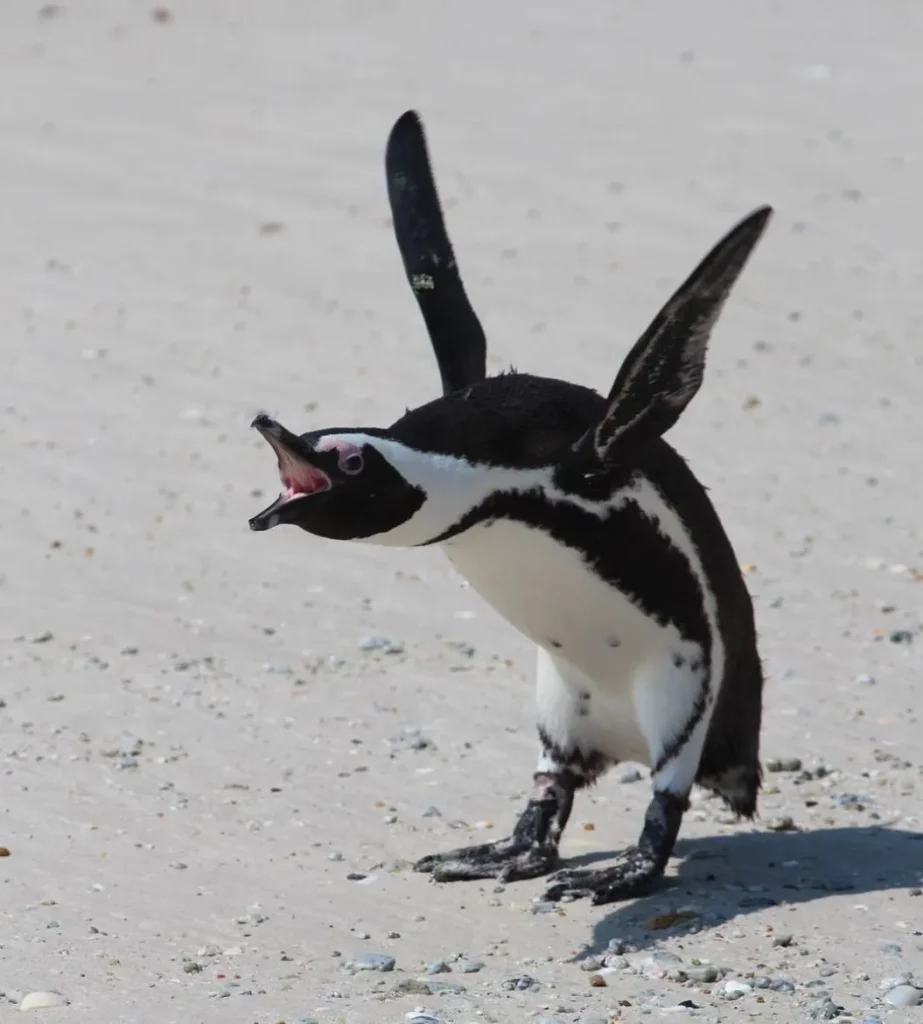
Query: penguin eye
[[352, 464]]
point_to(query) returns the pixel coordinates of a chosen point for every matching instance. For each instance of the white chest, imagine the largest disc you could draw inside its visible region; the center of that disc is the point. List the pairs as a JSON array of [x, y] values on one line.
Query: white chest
[[609, 678], [548, 593]]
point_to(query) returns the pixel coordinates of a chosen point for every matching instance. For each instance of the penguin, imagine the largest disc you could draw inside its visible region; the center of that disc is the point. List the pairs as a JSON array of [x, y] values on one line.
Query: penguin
[[574, 518]]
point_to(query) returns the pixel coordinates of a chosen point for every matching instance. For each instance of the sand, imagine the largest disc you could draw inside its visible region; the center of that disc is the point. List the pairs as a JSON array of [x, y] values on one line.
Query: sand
[[197, 752]]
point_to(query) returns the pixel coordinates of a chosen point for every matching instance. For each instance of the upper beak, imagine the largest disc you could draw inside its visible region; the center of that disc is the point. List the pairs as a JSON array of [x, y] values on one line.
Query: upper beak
[[300, 476]]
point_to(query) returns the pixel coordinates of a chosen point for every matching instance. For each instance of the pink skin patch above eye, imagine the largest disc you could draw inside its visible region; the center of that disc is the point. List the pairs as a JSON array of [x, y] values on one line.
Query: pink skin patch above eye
[[340, 445]]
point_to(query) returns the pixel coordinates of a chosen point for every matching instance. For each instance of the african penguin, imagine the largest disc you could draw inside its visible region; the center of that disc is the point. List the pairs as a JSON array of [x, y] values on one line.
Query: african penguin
[[573, 517]]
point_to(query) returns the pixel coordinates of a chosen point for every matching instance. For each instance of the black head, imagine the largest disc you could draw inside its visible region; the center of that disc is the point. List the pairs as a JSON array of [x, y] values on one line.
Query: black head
[[336, 484]]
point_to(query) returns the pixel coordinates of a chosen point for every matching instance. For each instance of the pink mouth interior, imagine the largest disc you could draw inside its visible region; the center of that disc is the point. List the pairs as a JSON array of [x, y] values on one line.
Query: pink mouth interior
[[300, 478]]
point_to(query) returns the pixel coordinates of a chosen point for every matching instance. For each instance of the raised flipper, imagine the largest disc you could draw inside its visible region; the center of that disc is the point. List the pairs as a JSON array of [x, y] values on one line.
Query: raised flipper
[[665, 367], [429, 262]]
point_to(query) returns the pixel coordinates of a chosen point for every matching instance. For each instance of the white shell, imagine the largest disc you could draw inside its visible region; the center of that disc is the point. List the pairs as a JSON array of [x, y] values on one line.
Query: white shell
[[42, 1001]]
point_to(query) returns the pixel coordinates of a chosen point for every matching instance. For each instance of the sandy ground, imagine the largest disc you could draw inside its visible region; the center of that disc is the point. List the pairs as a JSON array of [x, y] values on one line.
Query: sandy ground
[[197, 754]]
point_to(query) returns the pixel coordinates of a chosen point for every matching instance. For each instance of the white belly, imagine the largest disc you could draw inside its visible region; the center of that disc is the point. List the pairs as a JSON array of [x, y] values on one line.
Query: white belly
[[595, 640]]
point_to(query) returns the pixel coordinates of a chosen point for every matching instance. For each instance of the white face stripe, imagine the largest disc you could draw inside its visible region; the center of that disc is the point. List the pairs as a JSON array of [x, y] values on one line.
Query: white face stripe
[[453, 487]]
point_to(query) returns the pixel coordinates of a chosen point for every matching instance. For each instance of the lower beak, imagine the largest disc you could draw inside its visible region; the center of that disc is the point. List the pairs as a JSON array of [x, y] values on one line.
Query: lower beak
[[273, 515]]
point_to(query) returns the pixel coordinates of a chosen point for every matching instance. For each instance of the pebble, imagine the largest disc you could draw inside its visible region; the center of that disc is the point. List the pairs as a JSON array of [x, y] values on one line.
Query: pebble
[[469, 966], [782, 941], [781, 824], [47, 1000], [416, 1017], [704, 973], [524, 983], [550, 1020], [890, 948], [736, 989], [381, 643], [904, 995], [446, 988], [437, 967], [628, 773], [372, 962], [784, 764], [825, 1009]]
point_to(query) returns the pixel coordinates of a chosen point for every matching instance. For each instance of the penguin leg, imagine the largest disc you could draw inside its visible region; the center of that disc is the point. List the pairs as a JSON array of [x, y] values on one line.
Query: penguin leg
[[676, 763], [532, 849], [567, 763]]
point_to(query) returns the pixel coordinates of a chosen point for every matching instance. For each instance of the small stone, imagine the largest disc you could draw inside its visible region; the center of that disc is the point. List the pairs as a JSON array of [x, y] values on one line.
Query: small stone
[[902, 636], [4, 851], [784, 764], [782, 985], [413, 987], [736, 989], [178, 865], [904, 995], [825, 1009], [782, 941], [372, 962], [437, 967], [702, 972], [381, 643], [335, 855], [47, 1000], [890, 948], [781, 824], [628, 773], [469, 966], [597, 981], [550, 1020], [591, 963], [192, 967], [523, 983], [446, 988], [416, 1017], [864, 679], [432, 812]]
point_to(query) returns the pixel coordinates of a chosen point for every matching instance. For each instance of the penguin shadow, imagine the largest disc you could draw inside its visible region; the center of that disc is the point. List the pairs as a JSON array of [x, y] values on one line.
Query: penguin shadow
[[723, 877]]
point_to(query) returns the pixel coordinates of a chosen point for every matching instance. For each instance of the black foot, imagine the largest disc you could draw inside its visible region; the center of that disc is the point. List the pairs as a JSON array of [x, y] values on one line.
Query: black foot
[[638, 868], [532, 849], [508, 860], [634, 873]]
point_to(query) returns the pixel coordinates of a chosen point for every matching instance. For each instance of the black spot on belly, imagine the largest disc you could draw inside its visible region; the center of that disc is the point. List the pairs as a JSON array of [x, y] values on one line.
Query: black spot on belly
[[614, 641], [678, 660], [554, 643]]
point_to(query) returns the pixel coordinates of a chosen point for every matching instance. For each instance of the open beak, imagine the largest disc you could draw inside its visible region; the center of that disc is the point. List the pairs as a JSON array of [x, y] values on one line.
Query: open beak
[[300, 476]]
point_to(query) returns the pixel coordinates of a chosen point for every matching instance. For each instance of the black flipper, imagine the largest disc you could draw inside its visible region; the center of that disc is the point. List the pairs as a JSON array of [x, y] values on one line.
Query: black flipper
[[664, 369], [429, 262]]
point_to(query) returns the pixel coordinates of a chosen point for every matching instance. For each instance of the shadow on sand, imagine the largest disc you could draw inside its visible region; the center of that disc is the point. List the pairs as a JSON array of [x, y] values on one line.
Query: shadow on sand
[[730, 876]]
